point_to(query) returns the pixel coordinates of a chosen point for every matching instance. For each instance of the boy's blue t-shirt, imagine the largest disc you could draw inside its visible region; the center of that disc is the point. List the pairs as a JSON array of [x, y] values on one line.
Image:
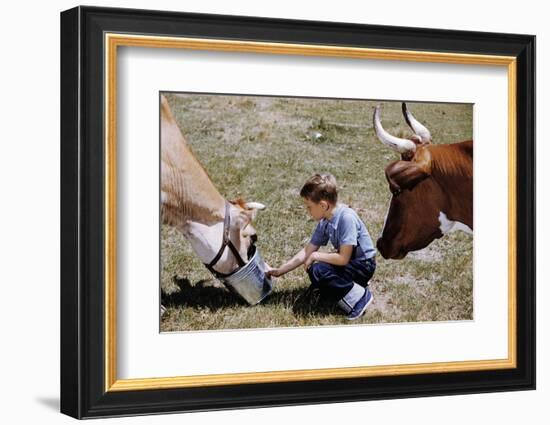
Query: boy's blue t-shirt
[[344, 228]]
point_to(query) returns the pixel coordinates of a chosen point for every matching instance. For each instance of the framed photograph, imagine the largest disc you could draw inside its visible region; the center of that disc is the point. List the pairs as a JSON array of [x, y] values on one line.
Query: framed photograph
[[261, 212]]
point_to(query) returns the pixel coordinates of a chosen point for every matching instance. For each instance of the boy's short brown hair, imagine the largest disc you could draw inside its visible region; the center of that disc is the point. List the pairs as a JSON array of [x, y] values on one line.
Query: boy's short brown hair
[[320, 187]]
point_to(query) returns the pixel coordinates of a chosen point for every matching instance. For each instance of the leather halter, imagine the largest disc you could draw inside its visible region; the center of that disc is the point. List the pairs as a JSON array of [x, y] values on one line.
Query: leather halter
[[226, 242]]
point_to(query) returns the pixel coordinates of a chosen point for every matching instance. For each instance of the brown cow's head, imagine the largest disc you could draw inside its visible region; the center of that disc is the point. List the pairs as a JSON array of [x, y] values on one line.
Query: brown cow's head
[[412, 219]]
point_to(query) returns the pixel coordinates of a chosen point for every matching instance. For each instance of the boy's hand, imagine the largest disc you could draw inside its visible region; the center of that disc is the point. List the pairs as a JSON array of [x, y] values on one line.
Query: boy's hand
[[272, 272], [310, 260]]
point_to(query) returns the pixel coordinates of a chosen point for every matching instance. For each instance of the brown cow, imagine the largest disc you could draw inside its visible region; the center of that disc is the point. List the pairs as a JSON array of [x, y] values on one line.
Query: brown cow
[[432, 188], [191, 203]]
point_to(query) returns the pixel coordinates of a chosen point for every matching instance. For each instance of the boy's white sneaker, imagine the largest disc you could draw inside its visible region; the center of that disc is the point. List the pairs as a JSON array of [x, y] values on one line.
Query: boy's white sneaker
[[361, 305]]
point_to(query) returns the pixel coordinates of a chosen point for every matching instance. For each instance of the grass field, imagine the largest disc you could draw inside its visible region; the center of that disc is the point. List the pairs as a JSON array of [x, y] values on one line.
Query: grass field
[[263, 149]]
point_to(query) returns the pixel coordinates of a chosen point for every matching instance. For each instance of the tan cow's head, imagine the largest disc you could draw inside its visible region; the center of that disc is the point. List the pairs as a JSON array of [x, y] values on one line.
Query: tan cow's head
[[242, 232], [191, 203]]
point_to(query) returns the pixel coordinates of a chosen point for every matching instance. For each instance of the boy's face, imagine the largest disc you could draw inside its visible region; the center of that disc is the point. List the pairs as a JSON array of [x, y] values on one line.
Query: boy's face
[[316, 210]]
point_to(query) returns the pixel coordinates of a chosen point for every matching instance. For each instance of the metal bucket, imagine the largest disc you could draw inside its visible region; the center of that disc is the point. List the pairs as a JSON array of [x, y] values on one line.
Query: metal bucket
[[250, 281]]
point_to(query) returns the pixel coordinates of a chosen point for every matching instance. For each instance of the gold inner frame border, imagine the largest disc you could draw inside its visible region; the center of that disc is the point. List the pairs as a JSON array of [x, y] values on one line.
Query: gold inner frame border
[[113, 40]]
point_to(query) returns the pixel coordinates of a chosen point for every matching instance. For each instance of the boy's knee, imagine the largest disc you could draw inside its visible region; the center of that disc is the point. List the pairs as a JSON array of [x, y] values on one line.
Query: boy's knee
[[319, 270]]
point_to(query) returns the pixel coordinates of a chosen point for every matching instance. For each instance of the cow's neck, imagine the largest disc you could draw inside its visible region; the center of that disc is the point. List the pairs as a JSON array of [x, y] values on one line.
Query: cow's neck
[[185, 183], [456, 190], [452, 170], [189, 195]]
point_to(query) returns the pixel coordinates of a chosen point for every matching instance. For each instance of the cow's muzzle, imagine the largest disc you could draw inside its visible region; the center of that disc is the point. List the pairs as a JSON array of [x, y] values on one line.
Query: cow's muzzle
[[390, 250]]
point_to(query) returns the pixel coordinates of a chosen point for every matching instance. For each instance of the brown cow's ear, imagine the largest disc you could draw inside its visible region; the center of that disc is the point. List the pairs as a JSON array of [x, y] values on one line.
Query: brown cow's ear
[[403, 175]]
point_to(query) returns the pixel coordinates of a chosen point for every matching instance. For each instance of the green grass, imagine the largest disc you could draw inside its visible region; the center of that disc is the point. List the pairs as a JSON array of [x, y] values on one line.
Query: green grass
[[263, 149]]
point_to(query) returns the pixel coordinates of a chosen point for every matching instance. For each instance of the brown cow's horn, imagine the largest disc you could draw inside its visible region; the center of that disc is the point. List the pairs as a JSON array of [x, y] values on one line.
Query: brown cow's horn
[[396, 143], [418, 128]]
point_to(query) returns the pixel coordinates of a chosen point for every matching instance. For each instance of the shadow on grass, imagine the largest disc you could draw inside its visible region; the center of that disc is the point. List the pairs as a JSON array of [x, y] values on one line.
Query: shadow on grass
[[201, 294], [303, 302]]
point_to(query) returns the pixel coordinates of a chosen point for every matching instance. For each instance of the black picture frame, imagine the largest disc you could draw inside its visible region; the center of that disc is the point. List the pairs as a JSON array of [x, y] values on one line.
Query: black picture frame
[[83, 393]]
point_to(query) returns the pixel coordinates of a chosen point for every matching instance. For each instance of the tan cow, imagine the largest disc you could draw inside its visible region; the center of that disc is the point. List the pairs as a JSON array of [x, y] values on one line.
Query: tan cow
[[191, 203]]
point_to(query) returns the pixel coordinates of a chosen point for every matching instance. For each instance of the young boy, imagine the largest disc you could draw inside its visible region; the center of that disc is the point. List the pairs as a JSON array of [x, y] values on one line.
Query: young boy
[[343, 275]]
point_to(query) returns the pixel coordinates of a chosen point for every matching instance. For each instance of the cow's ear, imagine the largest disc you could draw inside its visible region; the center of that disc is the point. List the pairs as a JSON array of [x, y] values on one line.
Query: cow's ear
[[403, 175]]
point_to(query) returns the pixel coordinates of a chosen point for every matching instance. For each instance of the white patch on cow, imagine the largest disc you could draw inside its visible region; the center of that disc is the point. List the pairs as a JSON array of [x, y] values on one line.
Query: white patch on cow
[[448, 226], [163, 197], [205, 240]]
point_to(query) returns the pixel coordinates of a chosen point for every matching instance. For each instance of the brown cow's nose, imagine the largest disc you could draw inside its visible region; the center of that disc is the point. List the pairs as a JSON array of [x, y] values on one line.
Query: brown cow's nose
[[391, 250], [381, 246]]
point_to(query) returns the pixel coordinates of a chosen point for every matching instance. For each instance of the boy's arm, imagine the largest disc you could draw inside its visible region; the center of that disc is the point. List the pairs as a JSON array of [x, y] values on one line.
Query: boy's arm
[[299, 259], [340, 258], [347, 238]]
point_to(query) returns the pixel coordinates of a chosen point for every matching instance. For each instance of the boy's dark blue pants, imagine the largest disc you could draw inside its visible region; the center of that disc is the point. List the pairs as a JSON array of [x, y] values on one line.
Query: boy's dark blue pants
[[334, 282]]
